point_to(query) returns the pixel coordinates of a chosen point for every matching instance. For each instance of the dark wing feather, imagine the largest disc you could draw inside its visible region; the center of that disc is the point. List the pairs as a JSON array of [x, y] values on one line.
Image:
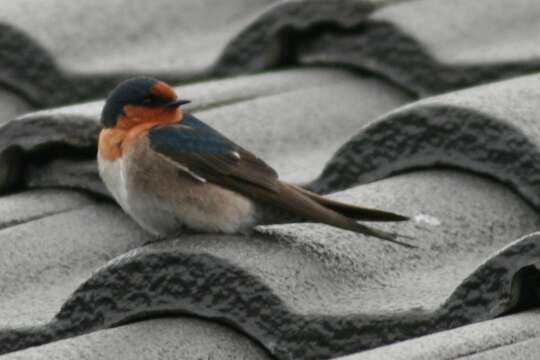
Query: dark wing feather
[[210, 155], [204, 153]]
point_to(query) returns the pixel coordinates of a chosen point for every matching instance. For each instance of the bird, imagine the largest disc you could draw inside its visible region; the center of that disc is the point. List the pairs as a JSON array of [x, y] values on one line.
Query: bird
[[173, 173]]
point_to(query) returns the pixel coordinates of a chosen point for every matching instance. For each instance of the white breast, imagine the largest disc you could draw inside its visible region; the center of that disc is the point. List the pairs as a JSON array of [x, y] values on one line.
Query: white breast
[[114, 176]]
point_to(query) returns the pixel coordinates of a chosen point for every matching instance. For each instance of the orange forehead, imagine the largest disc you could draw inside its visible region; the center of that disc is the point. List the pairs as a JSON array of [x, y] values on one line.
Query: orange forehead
[[162, 90]]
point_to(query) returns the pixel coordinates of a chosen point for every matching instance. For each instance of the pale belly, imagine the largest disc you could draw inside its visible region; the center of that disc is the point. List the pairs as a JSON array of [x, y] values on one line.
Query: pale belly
[[164, 201]]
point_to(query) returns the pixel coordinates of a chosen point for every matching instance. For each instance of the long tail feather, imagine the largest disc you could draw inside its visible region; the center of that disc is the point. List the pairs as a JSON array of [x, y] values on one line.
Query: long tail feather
[[309, 207], [312, 210], [353, 211]]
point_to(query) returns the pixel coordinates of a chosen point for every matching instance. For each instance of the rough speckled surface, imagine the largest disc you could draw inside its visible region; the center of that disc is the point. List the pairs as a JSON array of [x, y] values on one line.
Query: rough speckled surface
[[58, 66], [50, 254], [489, 129], [171, 338], [81, 280], [295, 282], [524, 350], [433, 46], [477, 341]]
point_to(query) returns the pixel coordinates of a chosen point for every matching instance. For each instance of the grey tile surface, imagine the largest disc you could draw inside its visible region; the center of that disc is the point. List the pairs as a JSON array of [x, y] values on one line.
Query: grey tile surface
[[509, 337], [490, 129], [43, 259], [118, 36], [170, 338], [434, 46], [78, 278], [466, 36], [310, 277], [524, 350]]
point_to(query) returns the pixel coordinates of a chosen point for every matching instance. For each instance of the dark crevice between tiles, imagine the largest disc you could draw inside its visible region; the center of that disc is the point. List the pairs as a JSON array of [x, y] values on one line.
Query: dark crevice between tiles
[[526, 287], [271, 41], [12, 169], [51, 165]]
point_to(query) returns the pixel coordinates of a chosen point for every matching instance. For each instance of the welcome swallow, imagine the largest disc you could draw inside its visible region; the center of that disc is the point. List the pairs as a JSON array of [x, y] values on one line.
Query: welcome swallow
[[170, 171]]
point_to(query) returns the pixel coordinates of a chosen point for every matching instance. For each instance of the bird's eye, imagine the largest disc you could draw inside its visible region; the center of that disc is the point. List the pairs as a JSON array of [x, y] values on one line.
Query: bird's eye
[[147, 100]]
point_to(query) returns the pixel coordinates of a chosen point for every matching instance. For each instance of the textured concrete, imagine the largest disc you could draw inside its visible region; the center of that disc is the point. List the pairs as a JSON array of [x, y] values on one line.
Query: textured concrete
[[51, 65], [178, 338], [317, 277], [490, 129], [79, 279], [55, 66], [24, 207], [514, 25], [44, 259], [510, 337], [525, 350], [81, 38], [312, 278], [434, 46]]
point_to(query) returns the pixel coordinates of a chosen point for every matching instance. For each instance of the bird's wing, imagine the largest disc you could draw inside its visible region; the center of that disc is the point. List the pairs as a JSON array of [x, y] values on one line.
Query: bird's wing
[[206, 154]]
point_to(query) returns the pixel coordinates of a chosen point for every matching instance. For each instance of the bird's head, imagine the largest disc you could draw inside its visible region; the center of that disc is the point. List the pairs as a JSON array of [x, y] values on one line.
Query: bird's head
[[141, 100]]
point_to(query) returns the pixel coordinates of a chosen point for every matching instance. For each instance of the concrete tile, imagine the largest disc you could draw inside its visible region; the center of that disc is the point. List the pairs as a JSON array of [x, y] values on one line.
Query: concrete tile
[[43, 261], [302, 290], [523, 350], [490, 129], [93, 46], [36, 204], [431, 47], [508, 337], [462, 32], [164, 339], [106, 36], [319, 283]]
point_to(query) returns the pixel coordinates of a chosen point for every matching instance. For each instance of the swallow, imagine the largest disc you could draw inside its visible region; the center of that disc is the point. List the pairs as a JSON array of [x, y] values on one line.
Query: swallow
[[171, 172]]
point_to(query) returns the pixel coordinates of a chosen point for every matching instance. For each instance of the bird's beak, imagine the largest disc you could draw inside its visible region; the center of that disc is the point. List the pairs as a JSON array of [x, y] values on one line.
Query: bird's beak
[[177, 103]]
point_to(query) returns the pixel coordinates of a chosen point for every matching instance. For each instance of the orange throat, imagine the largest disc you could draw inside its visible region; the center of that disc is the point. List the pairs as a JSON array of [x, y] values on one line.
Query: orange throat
[[115, 142]]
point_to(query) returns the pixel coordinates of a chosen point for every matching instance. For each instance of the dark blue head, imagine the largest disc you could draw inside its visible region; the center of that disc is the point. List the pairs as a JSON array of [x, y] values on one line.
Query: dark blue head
[[141, 92]]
